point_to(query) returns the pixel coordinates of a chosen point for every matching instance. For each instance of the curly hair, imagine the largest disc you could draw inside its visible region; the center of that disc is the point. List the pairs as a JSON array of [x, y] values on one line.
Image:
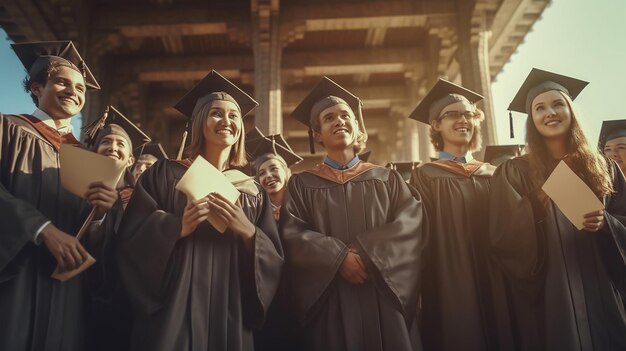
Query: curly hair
[[237, 156], [586, 161], [475, 143], [42, 78]]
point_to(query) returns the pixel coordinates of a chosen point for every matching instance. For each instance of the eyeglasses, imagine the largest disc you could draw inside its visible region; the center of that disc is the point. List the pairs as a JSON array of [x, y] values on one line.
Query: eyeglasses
[[456, 115]]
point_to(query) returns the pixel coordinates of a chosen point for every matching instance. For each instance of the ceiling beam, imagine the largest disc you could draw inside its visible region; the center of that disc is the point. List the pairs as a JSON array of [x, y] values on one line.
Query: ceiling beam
[[294, 63], [381, 8]]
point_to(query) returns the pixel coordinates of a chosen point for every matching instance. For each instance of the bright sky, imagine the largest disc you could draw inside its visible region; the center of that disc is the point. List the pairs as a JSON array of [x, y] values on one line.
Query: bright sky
[[581, 38]]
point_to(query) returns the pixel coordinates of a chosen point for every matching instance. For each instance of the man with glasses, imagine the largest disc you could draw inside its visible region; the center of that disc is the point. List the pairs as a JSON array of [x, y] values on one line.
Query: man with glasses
[[459, 286]]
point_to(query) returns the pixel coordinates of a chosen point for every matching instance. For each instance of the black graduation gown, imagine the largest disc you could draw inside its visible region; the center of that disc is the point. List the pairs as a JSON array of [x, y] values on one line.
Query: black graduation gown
[[459, 285], [371, 208], [38, 312], [564, 284], [281, 330], [202, 292], [109, 317]]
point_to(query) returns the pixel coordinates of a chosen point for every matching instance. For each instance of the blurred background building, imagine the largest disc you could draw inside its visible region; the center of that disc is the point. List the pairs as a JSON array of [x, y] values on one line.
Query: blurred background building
[[147, 53]]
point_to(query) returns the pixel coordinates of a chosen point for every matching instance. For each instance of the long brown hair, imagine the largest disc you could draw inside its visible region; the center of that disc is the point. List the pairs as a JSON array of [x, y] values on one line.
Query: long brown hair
[[584, 159], [237, 156]]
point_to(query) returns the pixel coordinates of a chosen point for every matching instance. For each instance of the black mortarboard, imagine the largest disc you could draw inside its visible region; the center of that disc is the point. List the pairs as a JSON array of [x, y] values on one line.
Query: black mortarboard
[[35, 56], [611, 130], [114, 122], [154, 149], [252, 135], [496, 154], [273, 144], [326, 94], [538, 82], [212, 87], [403, 167], [364, 156], [442, 94]]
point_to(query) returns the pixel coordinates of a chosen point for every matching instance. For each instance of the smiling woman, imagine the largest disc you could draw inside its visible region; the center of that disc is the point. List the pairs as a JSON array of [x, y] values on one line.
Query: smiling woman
[[564, 283], [175, 265]]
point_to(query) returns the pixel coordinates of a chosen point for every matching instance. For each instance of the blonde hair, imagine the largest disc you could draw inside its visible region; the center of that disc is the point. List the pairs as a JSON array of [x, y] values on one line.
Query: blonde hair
[[237, 156], [477, 139], [586, 161]]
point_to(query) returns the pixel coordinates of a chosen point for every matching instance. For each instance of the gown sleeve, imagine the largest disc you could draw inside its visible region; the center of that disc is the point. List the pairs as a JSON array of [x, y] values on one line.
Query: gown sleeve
[[612, 238], [148, 235], [19, 219], [314, 258], [262, 266], [516, 236], [395, 248]]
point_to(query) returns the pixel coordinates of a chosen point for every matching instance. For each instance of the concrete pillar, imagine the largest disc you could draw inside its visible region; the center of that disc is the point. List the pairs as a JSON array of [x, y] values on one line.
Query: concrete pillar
[[420, 132], [406, 146], [267, 51], [473, 58]]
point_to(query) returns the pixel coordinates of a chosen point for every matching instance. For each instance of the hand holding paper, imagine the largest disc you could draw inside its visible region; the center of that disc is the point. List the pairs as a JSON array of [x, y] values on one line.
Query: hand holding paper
[[80, 170], [232, 215], [195, 213], [594, 221], [572, 196], [201, 179]]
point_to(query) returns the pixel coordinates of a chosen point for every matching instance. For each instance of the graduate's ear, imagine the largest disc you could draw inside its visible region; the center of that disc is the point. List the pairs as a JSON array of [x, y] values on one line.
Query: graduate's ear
[[317, 136], [36, 89], [131, 161], [436, 125]]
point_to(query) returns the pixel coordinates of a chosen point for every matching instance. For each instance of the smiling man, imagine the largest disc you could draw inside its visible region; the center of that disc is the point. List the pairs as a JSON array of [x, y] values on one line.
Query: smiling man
[[352, 233], [455, 191], [38, 218]]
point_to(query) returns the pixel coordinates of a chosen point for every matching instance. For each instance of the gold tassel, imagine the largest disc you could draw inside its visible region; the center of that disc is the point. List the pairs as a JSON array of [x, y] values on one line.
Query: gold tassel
[[274, 146], [182, 143]]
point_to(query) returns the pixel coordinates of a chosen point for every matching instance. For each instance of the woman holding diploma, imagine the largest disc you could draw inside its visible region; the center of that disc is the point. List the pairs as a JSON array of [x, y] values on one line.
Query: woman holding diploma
[[564, 285], [190, 286]]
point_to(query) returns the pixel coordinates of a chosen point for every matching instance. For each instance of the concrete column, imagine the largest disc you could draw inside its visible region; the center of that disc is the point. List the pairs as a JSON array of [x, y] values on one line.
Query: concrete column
[[473, 58], [267, 62], [420, 132], [406, 146]]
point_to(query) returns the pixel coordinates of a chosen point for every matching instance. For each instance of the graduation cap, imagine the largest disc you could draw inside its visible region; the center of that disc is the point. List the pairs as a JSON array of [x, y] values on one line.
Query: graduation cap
[[211, 88], [326, 94], [253, 135], [114, 122], [442, 94], [36, 56], [537, 82], [611, 130], [274, 145], [154, 149], [403, 167], [364, 156], [496, 154]]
